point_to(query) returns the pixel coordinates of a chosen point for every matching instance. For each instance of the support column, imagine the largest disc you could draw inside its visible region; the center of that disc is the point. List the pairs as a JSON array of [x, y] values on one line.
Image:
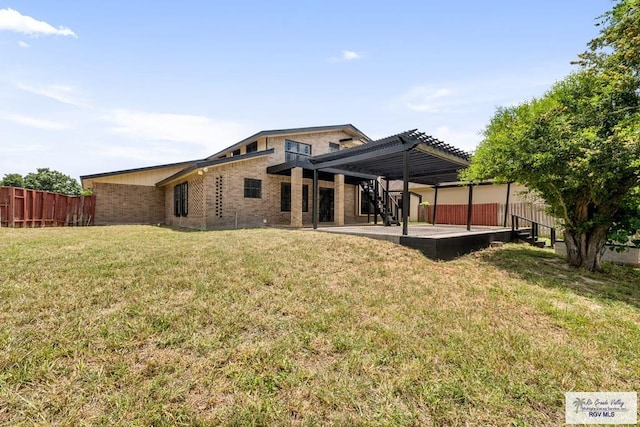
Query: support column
[[338, 189], [506, 205], [435, 206], [405, 194], [470, 208], [387, 205], [314, 208], [296, 197]]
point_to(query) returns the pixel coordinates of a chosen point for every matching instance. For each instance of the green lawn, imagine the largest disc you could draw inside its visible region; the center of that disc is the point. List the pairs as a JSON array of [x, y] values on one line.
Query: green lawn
[[137, 325]]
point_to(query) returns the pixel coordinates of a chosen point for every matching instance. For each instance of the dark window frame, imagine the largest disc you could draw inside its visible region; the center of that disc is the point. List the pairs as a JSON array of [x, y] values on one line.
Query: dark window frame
[[252, 148], [294, 150], [235, 152], [181, 199], [366, 207], [285, 197], [333, 147], [252, 188]]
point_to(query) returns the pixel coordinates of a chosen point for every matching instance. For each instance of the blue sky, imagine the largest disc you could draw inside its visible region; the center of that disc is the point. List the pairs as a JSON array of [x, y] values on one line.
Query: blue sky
[[89, 87]]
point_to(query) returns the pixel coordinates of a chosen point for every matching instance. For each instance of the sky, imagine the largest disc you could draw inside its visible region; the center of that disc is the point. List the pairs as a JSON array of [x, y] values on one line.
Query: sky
[[89, 87]]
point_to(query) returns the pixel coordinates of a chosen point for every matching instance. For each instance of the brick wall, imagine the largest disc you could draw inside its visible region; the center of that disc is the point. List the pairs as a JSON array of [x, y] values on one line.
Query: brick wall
[[196, 199], [128, 204]]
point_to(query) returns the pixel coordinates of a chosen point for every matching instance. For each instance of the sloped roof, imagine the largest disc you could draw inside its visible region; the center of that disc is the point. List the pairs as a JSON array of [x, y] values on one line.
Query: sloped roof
[[205, 163], [142, 169], [280, 132], [431, 160]]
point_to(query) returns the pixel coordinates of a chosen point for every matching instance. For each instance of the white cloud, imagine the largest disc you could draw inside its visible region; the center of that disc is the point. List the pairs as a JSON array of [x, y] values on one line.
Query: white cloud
[[33, 122], [22, 148], [428, 99], [349, 55], [60, 93], [461, 137], [23, 44], [12, 20], [174, 127]]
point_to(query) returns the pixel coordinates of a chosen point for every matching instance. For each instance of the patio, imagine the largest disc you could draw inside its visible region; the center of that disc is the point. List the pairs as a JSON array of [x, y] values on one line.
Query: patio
[[440, 242]]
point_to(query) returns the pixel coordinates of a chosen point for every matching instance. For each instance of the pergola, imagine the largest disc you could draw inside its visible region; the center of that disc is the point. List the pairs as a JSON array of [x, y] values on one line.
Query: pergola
[[410, 156]]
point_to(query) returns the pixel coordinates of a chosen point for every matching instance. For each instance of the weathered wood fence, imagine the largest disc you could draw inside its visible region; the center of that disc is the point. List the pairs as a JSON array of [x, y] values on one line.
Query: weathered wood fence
[[22, 207], [491, 214]]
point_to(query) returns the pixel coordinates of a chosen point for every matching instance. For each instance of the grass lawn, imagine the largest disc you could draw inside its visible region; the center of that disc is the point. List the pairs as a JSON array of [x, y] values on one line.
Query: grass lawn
[[138, 325]]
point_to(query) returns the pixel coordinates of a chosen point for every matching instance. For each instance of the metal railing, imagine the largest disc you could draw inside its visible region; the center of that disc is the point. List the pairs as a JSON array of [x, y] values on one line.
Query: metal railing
[[534, 228]]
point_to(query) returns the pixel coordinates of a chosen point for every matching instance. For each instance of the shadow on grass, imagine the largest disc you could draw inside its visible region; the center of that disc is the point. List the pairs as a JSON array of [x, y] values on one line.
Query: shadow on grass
[[545, 268]]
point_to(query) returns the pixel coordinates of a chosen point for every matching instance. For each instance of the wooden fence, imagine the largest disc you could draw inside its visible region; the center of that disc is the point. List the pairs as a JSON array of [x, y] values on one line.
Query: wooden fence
[[491, 214], [21, 207], [482, 214]]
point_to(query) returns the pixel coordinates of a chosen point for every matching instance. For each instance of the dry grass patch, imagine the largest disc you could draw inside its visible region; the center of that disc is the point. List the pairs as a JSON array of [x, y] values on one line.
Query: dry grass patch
[[153, 326]]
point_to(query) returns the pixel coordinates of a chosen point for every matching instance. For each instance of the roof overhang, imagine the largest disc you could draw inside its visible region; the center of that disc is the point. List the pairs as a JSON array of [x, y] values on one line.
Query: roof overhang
[[431, 161], [206, 163]]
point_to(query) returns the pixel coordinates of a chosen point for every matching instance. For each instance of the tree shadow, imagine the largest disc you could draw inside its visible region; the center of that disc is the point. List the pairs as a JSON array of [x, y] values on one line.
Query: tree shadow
[[545, 268]]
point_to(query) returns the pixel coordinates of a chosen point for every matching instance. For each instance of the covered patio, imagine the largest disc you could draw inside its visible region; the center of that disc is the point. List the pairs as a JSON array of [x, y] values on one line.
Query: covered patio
[[411, 156], [414, 157]]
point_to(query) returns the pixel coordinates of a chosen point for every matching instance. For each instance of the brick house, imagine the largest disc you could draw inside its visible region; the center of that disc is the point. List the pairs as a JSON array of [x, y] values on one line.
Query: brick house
[[252, 183], [290, 177]]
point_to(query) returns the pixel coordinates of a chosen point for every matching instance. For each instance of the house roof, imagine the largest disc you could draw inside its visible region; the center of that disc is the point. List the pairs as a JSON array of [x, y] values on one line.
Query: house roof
[[281, 132], [143, 169], [205, 163], [431, 160]]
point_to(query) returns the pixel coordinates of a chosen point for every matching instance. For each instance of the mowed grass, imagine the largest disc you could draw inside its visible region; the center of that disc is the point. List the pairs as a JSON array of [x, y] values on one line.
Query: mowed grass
[[140, 325]]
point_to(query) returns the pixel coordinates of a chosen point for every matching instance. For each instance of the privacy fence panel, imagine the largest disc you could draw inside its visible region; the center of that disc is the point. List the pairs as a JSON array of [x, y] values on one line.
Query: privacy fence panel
[[491, 214], [482, 214], [22, 207]]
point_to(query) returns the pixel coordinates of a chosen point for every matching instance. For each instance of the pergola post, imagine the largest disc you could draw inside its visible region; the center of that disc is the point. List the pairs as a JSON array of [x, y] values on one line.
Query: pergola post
[[314, 208], [405, 193], [470, 207], [506, 205], [435, 205], [386, 198]]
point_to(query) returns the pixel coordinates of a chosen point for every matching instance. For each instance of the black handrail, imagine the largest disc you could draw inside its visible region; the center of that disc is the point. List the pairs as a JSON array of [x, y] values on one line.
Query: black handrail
[[535, 228], [385, 201]]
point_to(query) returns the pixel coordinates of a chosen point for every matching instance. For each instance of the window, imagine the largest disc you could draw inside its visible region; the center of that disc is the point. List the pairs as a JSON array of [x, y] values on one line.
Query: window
[[366, 207], [333, 147], [252, 188], [305, 198], [296, 150], [236, 152], [181, 199], [252, 147], [285, 197]]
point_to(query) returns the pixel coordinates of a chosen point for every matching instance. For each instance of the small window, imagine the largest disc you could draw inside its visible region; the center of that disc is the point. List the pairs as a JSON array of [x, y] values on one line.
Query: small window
[[305, 198], [285, 197], [333, 147], [252, 188], [181, 199], [236, 152], [253, 147]]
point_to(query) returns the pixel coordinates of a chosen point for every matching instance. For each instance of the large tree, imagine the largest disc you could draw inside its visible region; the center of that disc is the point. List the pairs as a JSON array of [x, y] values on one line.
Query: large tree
[[52, 180], [578, 146], [12, 180]]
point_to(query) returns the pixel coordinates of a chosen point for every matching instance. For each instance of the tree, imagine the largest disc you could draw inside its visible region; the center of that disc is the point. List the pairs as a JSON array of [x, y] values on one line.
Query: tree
[[12, 180], [52, 180], [578, 146]]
